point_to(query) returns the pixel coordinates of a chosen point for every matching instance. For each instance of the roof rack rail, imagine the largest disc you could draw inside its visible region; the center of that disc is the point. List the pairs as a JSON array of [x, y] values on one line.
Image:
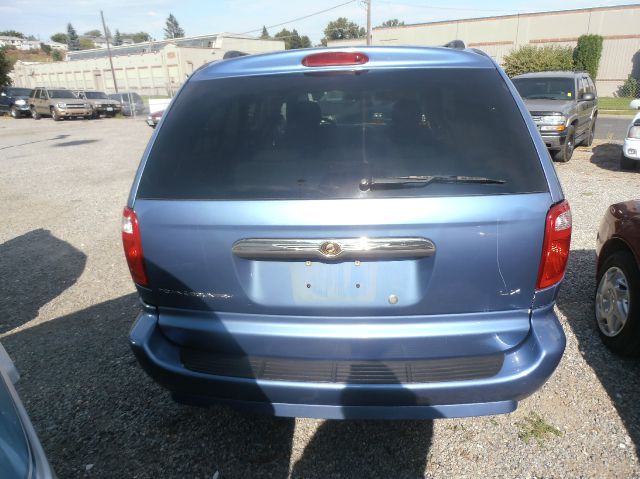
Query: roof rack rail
[[233, 54], [457, 44]]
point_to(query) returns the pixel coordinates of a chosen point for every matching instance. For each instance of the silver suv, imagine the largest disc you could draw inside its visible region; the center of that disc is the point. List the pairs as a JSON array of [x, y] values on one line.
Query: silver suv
[[564, 107], [58, 103], [101, 103]]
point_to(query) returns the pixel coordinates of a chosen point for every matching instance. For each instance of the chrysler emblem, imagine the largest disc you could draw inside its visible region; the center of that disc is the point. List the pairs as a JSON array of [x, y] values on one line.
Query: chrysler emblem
[[330, 249]]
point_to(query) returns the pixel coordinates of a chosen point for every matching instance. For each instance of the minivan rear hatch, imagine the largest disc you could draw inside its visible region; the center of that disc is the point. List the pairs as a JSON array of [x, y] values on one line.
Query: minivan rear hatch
[[304, 194]]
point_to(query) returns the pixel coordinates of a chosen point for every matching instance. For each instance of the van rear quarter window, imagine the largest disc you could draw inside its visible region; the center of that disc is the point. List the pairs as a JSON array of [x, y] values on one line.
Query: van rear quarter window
[[316, 136]]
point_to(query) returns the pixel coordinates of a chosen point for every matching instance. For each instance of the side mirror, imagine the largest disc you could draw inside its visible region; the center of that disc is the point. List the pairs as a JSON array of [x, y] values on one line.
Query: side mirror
[[588, 97]]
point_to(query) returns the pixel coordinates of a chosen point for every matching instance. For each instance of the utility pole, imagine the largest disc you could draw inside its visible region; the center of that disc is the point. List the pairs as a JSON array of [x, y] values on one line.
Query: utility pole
[[113, 72], [368, 22]]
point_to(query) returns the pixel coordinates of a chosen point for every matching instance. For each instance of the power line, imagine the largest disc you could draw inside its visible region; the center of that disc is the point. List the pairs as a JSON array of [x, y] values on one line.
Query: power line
[[300, 18]]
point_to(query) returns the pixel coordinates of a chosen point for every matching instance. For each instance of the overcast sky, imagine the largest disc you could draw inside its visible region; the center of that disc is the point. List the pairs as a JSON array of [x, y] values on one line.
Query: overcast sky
[[197, 17]]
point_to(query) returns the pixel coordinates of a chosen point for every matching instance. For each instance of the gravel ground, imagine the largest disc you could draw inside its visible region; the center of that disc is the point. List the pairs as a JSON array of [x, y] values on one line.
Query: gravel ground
[[67, 304]]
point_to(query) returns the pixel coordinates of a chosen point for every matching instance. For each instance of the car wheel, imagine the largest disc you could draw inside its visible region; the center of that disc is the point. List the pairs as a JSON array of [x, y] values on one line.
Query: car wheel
[[54, 115], [592, 131], [566, 152], [34, 114], [617, 303], [14, 112], [626, 163]]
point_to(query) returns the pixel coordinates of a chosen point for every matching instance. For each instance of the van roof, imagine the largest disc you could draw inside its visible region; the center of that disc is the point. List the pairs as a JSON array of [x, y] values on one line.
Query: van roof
[[552, 74], [290, 61]]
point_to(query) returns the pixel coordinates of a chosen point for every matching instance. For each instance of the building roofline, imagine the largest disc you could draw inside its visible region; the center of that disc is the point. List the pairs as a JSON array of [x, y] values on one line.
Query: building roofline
[[171, 40], [515, 15]]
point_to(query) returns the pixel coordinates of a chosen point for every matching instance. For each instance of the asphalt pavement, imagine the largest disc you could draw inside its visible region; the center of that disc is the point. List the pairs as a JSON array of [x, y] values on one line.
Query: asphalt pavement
[[610, 127]]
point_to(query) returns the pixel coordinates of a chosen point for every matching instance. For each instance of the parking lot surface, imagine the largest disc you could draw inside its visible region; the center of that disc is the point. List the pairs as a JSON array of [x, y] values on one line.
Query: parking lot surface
[[612, 127], [67, 303]]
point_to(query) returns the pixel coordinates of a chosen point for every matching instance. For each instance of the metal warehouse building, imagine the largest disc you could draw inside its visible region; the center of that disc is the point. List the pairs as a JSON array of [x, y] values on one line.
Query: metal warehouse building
[[618, 25], [150, 68]]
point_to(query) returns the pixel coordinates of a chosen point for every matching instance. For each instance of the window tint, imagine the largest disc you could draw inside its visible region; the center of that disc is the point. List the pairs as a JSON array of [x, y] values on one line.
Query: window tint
[[582, 85], [551, 88], [95, 95], [61, 94], [18, 91], [317, 136]]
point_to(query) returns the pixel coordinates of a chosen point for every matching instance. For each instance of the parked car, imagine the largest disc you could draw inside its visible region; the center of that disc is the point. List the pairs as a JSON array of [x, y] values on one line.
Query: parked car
[[297, 259], [630, 155], [131, 102], [58, 103], [564, 106], [100, 102], [15, 101], [635, 104], [154, 118], [617, 303], [21, 454]]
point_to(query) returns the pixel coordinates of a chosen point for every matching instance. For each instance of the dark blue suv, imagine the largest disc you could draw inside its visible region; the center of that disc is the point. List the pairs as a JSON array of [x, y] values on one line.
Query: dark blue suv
[[349, 233]]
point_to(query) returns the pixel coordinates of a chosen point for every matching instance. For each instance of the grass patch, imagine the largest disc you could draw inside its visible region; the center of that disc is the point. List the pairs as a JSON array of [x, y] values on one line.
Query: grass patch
[[628, 113], [614, 103], [535, 428]]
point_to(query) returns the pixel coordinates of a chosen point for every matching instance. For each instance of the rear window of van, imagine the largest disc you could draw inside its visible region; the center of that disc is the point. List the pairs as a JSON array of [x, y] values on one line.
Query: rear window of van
[[316, 136]]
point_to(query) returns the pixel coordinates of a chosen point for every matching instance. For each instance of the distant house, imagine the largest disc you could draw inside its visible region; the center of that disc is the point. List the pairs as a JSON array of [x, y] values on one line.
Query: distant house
[[56, 45], [19, 43]]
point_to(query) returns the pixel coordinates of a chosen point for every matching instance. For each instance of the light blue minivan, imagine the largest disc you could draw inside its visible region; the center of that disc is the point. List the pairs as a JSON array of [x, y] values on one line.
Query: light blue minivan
[[372, 232]]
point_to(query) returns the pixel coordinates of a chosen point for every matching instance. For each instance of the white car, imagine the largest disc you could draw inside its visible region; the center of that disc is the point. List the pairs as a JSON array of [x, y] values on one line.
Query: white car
[[635, 104], [630, 157]]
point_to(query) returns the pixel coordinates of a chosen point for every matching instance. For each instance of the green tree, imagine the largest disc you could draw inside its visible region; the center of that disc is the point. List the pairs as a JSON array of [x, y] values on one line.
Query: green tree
[[292, 39], [73, 41], [394, 22], [12, 33], [342, 29], [5, 68], [265, 33], [138, 37], [117, 39], [172, 28], [93, 33], [57, 56], [59, 37], [86, 44], [587, 54], [529, 58], [630, 88], [45, 48]]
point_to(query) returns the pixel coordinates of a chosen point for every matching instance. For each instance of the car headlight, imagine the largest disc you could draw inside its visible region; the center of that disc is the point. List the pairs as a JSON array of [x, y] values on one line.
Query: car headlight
[[21, 102], [61, 105], [553, 119], [87, 105]]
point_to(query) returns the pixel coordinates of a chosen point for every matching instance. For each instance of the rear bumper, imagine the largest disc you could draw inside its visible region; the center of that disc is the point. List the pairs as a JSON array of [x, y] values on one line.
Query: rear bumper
[[524, 369]]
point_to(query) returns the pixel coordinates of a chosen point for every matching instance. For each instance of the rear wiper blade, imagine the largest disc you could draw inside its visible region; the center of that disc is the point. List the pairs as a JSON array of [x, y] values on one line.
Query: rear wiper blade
[[418, 181]]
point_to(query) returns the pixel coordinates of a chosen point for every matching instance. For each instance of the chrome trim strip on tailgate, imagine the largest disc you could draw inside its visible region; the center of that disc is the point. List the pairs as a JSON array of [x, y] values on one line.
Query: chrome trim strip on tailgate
[[339, 248]]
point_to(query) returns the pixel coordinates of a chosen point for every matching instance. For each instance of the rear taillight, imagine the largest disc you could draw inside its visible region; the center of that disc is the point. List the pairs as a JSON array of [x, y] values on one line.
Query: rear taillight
[[332, 59], [555, 249], [133, 247]]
